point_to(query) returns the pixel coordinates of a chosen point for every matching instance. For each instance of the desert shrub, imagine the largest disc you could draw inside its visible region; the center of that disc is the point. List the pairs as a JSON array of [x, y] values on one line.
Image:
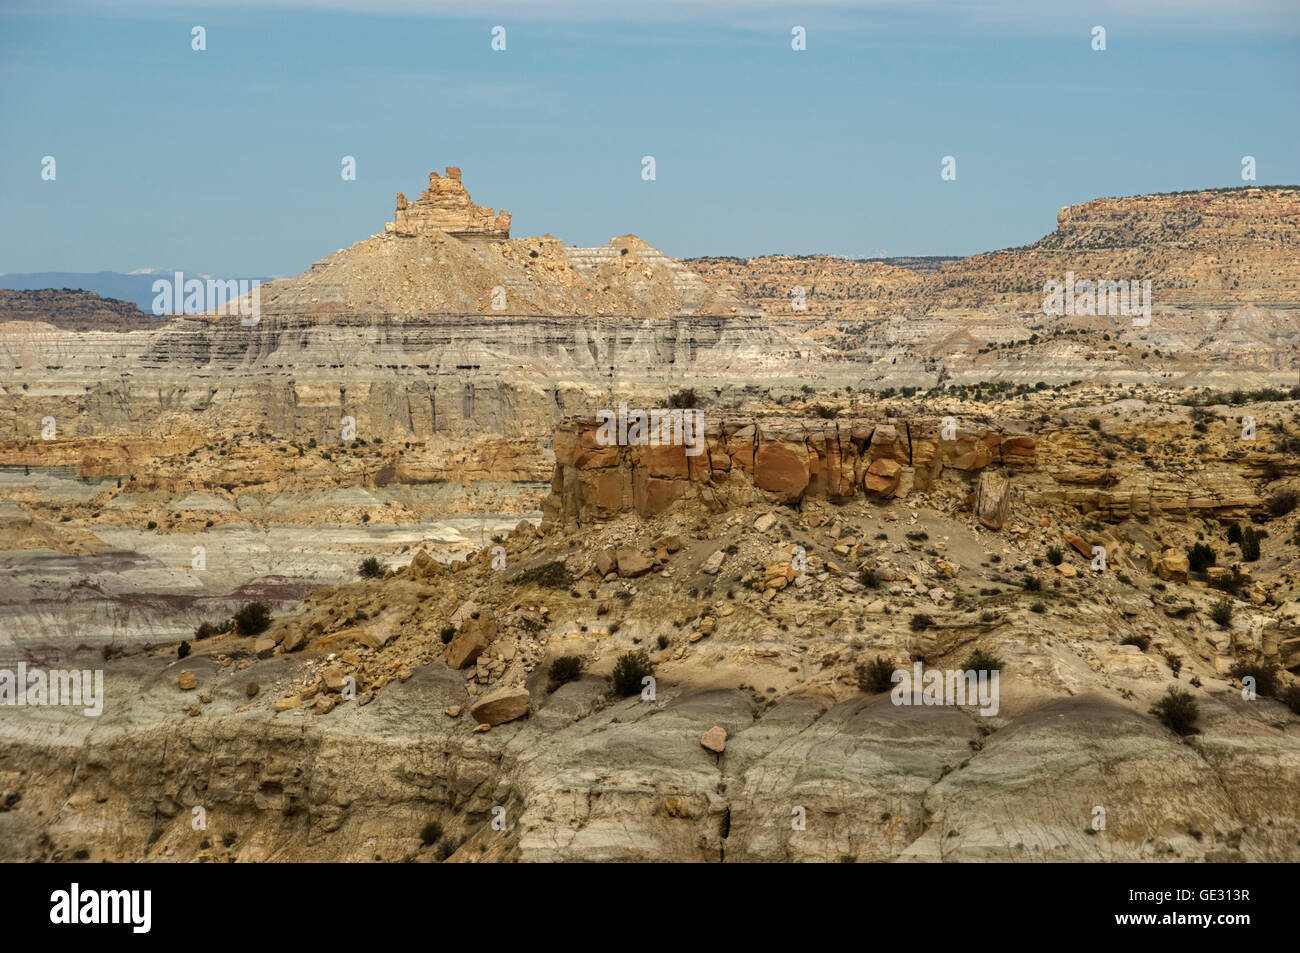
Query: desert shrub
[[869, 578], [1175, 663], [876, 676], [370, 568], [1054, 555], [1234, 533], [430, 833], [550, 575], [1222, 613], [1095, 423], [1249, 544], [447, 634], [252, 619], [206, 630], [629, 669], [1265, 676], [1230, 584], [1199, 557], [662, 641], [151, 525], [1178, 711], [920, 622], [1141, 641], [1038, 608], [563, 670], [981, 661], [683, 398], [1032, 584], [1283, 502], [183, 649], [825, 412], [444, 850]]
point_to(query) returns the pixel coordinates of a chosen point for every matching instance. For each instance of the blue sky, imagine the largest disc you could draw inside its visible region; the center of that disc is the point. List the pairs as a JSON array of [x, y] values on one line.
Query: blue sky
[[227, 161]]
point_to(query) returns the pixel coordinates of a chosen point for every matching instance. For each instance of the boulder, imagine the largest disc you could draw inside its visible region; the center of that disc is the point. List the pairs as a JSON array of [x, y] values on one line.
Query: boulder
[[505, 704], [424, 568], [715, 739], [471, 641], [882, 478], [713, 565], [992, 499], [632, 564], [1172, 566], [779, 470], [187, 681], [606, 562]]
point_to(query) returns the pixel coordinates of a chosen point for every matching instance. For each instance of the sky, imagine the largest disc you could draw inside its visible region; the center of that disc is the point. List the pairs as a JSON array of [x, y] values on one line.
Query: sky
[[228, 160]]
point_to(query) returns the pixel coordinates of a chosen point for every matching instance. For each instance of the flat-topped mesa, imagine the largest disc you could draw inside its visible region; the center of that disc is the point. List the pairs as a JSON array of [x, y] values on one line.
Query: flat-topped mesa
[[445, 206]]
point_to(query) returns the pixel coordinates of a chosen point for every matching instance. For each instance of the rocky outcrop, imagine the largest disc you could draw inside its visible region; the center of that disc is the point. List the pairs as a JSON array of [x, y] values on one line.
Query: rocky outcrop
[[445, 206], [776, 460]]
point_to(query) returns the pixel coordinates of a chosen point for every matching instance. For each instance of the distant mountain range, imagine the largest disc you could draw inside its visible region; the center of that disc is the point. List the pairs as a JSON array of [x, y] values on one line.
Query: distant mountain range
[[136, 286]]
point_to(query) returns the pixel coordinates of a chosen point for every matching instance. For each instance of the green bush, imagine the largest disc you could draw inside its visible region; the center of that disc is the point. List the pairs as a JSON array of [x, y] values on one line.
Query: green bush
[[1249, 544], [1266, 678], [252, 619], [1283, 502], [1222, 613], [981, 661], [876, 676], [630, 668], [564, 669], [1178, 711], [550, 575], [1199, 557]]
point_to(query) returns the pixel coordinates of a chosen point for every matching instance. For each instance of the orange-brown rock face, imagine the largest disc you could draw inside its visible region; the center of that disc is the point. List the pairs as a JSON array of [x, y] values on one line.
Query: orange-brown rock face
[[445, 206], [780, 461]]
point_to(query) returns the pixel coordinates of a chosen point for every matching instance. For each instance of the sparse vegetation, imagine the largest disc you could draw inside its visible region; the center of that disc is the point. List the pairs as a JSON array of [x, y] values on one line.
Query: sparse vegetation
[[876, 676], [1283, 502], [1200, 557], [551, 575], [1249, 544], [982, 661], [1054, 555], [920, 622], [183, 649], [1267, 681], [1178, 711], [1222, 613], [565, 669], [370, 568], [252, 619], [629, 670], [430, 833]]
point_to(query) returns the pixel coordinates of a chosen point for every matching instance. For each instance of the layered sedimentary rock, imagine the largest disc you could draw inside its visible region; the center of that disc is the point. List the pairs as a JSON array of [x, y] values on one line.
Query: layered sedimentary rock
[[783, 461], [445, 206]]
